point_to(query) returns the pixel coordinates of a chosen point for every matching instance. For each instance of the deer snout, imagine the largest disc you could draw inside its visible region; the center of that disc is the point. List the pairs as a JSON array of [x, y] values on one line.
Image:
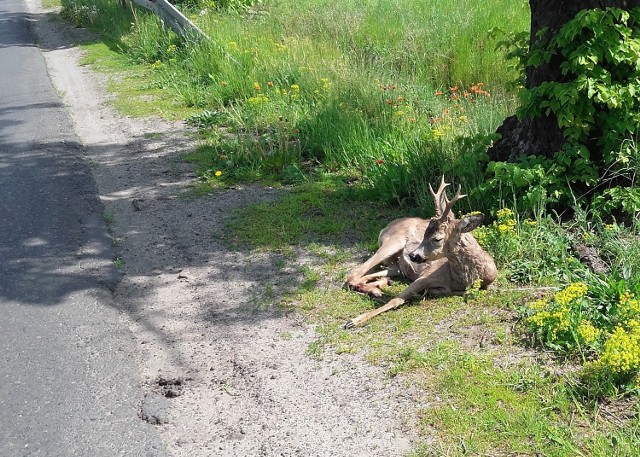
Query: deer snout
[[417, 256]]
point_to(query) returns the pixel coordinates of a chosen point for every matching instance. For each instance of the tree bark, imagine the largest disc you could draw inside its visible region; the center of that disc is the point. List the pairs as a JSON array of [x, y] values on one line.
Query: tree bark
[[541, 135]]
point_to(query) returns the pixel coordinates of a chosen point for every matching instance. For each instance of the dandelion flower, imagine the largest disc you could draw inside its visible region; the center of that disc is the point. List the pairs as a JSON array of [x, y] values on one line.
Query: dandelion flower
[[218, 173]]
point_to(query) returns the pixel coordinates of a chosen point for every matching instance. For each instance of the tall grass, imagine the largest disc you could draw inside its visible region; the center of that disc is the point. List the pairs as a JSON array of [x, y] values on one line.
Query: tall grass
[[348, 86]]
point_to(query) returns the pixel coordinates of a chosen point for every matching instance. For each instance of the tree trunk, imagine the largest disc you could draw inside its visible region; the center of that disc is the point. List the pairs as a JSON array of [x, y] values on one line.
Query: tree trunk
[[541, 135]]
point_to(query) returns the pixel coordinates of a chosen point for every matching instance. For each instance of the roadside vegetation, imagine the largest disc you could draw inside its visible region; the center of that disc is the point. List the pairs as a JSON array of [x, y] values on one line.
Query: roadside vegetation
[[356, 107]]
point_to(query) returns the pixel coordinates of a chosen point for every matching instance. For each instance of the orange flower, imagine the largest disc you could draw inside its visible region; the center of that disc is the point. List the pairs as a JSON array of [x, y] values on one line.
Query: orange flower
[[379, 161], [412, 120], [393, 87], [439, 92], [223, 83], [389, 102], [454, 89], [256, 86], [270, 84], [400, 99], [454, 96]]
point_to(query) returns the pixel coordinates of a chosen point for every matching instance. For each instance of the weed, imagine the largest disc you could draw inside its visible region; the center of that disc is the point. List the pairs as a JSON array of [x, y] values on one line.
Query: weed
[[118, 263], [109, 217]]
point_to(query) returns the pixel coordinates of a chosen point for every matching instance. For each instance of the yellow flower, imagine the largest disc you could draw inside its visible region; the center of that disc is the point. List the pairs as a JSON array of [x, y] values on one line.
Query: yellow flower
[[539, 305], [218, 173], [258, 99], [588, 237], [295, 87], [233, 45], [482, 236], [570, 293], [621, 353], [629, 306], [588, 332], [505, 222], [633, 325], [505, 213]]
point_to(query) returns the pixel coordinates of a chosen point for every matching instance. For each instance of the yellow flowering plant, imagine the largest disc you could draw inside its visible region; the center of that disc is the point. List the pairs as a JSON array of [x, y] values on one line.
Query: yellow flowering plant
[[600, 321], [559, 322], [501, 237]]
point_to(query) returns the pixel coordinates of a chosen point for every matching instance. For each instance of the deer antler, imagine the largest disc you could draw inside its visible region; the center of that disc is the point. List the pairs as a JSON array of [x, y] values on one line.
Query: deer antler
[[440, 197], [449, 204]]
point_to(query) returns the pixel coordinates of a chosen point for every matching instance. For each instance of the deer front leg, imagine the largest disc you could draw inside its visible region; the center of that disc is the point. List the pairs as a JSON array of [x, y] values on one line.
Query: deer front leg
[[436, 278], [420, 284]]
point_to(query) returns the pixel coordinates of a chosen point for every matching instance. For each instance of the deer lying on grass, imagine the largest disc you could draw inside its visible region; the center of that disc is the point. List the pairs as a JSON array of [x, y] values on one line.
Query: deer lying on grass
[[439, 255]]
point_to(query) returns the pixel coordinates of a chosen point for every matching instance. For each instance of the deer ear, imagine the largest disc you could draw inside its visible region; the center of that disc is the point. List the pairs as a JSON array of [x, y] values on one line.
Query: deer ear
[[470, 222]]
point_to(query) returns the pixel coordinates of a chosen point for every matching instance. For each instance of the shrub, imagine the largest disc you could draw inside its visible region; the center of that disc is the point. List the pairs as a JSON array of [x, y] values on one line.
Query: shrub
[[598, 111]]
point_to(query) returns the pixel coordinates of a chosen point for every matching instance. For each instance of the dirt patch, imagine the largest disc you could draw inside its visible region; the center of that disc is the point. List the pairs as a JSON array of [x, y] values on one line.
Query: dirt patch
[[197, 310]]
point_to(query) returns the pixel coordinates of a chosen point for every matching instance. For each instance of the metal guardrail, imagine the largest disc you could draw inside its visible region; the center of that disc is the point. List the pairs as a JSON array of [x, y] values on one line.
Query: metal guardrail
[[172, 17], [180, 24]]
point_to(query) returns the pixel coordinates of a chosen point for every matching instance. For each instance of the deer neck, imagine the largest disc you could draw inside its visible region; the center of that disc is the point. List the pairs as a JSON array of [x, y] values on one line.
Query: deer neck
[[466, 258]]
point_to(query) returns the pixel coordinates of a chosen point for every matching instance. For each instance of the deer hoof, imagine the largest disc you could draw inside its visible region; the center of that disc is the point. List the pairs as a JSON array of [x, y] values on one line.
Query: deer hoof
[[375, 293], [349, 325]]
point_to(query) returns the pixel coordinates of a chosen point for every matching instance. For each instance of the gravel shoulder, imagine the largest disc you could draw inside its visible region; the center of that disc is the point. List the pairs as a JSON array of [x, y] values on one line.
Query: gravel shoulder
[[223, 370]]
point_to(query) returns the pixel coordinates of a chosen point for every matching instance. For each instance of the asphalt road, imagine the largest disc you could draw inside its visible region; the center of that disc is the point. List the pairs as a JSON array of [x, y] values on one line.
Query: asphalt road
[[68, 386]]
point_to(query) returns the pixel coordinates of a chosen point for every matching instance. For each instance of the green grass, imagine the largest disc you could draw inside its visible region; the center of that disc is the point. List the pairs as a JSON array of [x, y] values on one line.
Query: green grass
[[348, 87], [312, 214]]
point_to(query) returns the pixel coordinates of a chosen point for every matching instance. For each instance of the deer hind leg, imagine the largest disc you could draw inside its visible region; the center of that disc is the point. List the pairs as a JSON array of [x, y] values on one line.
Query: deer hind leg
[[359, 278], [373, 283]]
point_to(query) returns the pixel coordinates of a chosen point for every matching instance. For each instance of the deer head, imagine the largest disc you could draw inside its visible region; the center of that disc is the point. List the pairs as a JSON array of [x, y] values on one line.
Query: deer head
[[444, 231]]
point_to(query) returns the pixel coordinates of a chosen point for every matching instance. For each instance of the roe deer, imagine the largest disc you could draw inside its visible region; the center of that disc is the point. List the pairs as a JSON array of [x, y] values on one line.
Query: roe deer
[[439, 255]]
